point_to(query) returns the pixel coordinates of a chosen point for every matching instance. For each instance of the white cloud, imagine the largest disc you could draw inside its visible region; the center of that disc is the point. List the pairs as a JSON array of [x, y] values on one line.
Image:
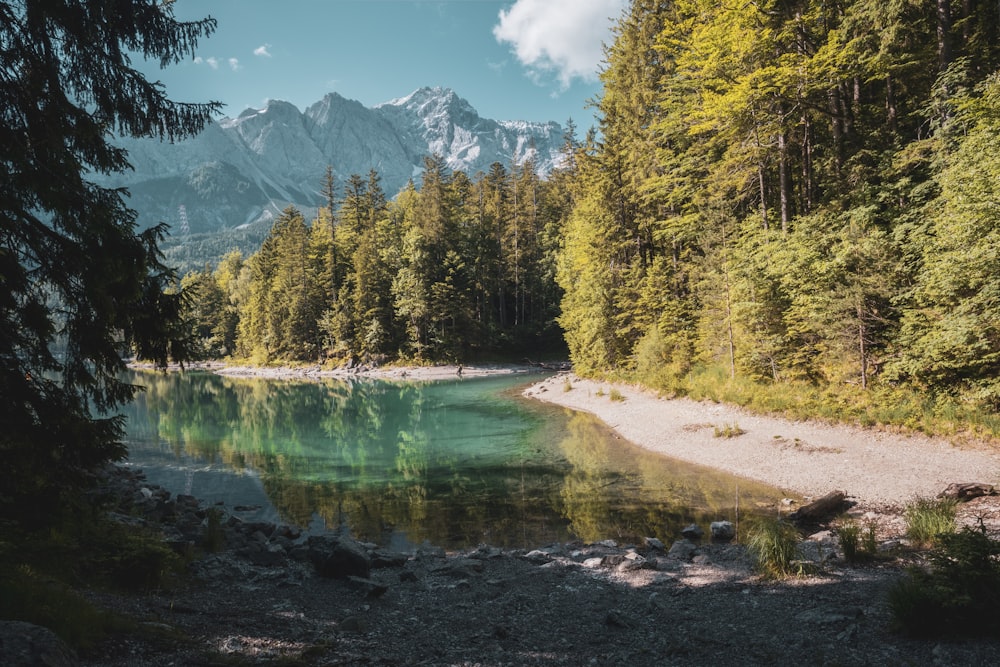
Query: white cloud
[[212, 62], [234, 64], [263, 50], [562, 37]]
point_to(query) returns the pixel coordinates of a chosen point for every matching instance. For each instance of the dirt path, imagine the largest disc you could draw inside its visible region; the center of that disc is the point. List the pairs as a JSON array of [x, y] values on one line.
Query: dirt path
[[873, 468]]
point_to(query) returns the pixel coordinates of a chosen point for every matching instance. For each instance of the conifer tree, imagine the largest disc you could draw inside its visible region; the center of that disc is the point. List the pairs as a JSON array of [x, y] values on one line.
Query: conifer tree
[[82, 287]]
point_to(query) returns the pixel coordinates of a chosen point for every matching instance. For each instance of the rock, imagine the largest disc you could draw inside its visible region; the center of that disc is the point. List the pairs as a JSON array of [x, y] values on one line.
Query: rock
[[654, 543], [382, 558], [538, 557], [693, 532], [338, 557], [370, 587], [592, 563], [27, 645], [830, 616], [722, 531], [683, 550], [617, 619], [355, 624], [967, 491], [270, 555]]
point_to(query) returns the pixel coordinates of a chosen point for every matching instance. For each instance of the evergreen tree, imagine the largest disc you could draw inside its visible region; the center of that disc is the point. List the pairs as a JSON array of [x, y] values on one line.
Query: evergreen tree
[[82, 287]]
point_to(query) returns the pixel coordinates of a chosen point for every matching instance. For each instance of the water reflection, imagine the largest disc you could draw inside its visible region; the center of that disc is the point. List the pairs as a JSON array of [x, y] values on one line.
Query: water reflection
[[454, 463]]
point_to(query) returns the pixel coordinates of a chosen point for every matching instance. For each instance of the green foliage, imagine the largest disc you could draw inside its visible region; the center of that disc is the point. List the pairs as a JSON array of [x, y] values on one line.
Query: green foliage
[[849, 534], [857, 541], [818, 223], [928, 519], [958, 595], [616, 395], [455, 269], [773, 544], [728, 431], [82, 287]]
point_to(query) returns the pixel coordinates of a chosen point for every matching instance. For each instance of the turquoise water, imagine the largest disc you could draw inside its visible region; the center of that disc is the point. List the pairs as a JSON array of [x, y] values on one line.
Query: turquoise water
[[454, 463]]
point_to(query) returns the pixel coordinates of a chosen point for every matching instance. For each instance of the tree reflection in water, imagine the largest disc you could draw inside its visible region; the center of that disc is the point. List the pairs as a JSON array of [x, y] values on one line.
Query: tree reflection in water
[[455, 463]]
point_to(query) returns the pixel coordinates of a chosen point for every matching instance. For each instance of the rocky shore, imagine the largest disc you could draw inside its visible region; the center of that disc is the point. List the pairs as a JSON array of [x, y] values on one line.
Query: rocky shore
[[269, 594]]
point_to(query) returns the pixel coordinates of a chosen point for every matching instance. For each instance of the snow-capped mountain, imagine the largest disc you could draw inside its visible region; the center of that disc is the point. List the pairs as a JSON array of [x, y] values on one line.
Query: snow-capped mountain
[[245, 170]]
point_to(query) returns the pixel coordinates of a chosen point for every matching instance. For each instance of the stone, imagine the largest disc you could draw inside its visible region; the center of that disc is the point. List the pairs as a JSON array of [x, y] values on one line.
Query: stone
[[682, 550], [370, 587], [693, 532], [382, 558], [27, 645], [654, 543], [722, 531], [338, 557], [617, 619], [538, 557]]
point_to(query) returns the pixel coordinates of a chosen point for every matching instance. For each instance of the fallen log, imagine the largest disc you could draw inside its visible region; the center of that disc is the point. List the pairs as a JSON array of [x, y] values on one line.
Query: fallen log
[[820, 508], [967, 491]]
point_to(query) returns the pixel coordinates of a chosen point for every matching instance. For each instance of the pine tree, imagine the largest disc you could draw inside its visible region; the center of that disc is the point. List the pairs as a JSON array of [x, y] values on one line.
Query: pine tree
[[82, 288]]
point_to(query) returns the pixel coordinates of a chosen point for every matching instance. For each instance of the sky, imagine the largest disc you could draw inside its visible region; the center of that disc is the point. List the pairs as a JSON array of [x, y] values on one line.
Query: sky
[[534, 60]]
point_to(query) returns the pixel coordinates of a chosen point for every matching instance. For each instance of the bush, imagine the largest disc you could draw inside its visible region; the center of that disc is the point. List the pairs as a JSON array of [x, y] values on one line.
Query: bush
[[958, 595], [928, 518], [774, 546], [849, 534], [729, 431], [858, 542], [616, 395]]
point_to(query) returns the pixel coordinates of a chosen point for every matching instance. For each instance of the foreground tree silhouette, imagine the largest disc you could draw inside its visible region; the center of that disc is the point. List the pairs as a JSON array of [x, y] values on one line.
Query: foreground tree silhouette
[[80, 285]]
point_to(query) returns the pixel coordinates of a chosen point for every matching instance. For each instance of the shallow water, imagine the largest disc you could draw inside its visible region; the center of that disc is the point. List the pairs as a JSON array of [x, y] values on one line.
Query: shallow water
[[455, 463]]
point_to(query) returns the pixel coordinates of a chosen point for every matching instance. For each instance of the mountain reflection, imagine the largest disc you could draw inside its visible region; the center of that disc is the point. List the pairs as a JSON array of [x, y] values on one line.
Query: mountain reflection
[[455, 463]]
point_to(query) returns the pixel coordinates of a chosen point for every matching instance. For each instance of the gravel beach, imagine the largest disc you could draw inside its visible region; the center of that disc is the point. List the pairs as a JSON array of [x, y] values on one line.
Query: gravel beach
[[874, 468]]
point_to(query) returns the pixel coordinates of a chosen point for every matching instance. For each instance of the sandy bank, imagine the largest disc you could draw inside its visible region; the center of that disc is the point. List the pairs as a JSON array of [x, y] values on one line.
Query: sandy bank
[[874, 468]]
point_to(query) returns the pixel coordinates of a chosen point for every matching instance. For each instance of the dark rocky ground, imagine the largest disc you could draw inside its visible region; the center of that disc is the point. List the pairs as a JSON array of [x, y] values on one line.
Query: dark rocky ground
[[260, 601]]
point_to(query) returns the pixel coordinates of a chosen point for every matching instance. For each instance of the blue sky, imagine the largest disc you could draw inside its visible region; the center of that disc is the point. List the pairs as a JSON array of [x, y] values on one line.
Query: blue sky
[[512, 60]]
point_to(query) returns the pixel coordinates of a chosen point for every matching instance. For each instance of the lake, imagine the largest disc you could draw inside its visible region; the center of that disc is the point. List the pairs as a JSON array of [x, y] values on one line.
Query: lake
[[454, 463]]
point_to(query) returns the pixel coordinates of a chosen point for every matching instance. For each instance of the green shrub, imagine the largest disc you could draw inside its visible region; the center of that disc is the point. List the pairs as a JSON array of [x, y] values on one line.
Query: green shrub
[[928, 518], [849, 534], [567, 385], [774, 546], [729, 431], [858, 542], [616, 395], [958, 595]]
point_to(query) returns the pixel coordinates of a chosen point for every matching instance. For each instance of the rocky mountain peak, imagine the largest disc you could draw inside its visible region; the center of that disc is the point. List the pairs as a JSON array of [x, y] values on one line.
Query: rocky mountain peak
[[246, 169]]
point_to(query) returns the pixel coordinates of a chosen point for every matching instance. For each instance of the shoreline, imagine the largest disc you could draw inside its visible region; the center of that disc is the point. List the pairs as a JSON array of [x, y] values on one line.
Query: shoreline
[[875, 469], [403, 372]]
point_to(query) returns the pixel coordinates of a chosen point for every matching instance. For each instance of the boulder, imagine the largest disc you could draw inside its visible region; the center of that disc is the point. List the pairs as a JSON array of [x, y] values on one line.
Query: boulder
[[338, 557], [682, 550], [693, 532], [722, 531], [27, 645]]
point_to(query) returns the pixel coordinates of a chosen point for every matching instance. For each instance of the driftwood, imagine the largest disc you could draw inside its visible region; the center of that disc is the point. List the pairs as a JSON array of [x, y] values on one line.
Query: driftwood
[[967, 491], [820, 508]]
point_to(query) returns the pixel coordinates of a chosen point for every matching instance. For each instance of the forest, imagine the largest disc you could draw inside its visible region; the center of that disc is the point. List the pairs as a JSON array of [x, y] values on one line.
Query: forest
[[780, 193]]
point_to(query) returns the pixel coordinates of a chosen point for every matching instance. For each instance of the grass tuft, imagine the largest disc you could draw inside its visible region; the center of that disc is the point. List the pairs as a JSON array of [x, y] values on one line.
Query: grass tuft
[[929, 518], [729, 431], [774, 546]]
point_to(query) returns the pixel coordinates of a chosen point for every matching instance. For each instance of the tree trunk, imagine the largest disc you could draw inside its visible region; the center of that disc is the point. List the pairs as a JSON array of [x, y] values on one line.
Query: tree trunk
[[944, 44]]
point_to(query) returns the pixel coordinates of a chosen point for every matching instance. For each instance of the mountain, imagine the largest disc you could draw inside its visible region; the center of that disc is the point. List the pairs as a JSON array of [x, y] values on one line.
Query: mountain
[[222, 188]]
